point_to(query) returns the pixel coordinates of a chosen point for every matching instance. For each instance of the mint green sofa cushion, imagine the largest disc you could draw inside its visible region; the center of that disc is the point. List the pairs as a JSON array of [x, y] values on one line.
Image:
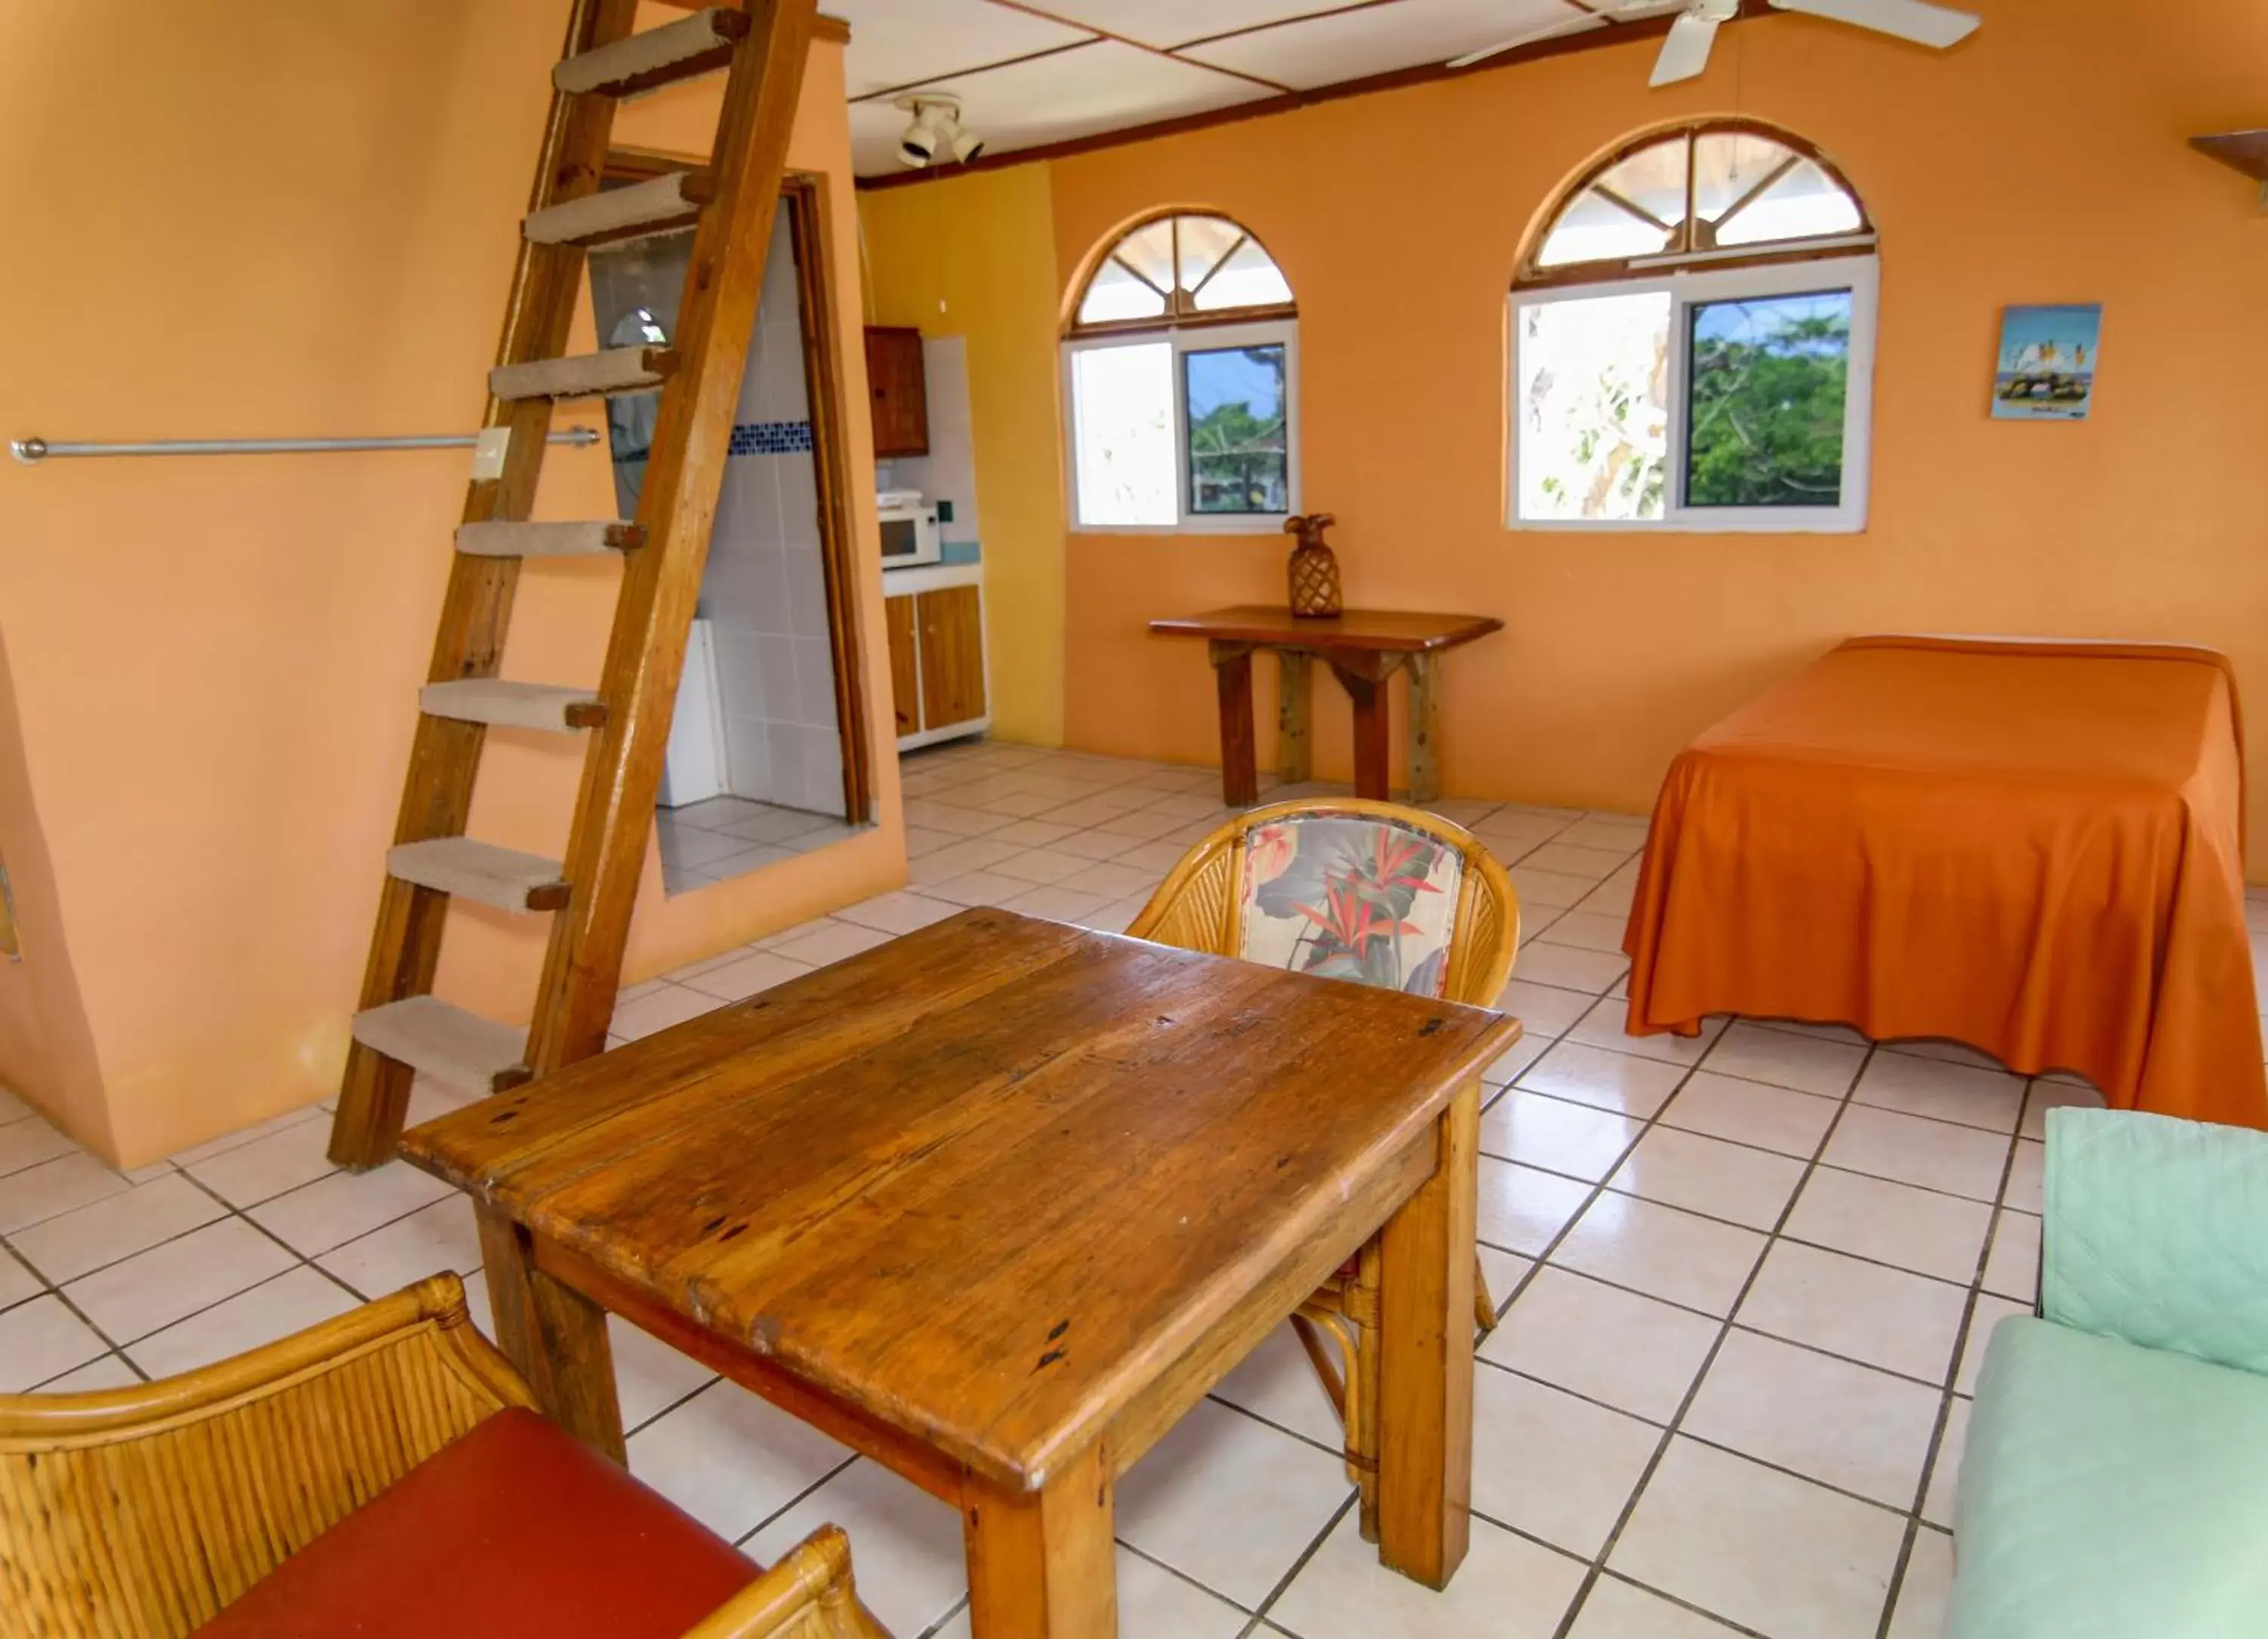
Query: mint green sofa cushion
[[2157, 1233], [2110, 1492]]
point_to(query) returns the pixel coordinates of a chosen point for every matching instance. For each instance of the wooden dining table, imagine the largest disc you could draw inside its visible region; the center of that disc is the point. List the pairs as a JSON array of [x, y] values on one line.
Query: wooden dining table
[[995, 1204], [1363, 648]]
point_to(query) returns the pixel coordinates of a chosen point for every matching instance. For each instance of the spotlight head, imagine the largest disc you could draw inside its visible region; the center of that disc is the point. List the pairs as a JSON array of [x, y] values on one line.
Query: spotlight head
[[967, 144], [934, 119]]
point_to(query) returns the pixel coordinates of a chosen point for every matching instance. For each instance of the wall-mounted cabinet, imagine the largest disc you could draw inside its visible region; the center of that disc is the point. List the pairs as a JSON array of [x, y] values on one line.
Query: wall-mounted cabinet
[[936, 624], [900, 390]]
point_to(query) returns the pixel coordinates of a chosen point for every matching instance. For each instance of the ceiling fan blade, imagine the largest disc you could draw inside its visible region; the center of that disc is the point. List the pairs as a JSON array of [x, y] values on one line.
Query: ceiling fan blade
[[1685, 54], [1924, 24], [1575, 24]]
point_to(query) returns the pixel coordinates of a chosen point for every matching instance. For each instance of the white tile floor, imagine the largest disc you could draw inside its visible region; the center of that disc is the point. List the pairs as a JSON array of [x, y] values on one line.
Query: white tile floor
[[721, 837], [1744, 1278]]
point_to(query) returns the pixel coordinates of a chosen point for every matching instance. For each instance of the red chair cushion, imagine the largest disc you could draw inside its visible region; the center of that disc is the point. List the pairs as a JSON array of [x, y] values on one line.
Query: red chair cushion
[[516, 1529]]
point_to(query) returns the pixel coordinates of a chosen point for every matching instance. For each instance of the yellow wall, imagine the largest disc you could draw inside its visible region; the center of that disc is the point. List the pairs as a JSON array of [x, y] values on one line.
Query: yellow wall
[[271, 218], [2044, 161], [973, 256]]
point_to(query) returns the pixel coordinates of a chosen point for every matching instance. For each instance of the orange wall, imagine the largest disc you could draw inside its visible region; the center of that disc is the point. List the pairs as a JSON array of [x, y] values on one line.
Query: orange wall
[[272, 218], [2043, 162]]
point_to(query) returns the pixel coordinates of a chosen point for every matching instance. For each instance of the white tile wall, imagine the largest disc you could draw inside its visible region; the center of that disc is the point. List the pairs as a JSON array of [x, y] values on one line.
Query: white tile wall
[[765, 590]]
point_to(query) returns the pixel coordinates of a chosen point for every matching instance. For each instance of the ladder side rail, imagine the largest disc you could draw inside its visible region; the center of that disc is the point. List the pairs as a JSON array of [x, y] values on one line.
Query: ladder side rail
[[645, 653]]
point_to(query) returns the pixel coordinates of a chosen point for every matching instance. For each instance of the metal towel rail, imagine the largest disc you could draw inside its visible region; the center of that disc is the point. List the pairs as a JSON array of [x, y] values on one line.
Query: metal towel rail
[[34, 450]]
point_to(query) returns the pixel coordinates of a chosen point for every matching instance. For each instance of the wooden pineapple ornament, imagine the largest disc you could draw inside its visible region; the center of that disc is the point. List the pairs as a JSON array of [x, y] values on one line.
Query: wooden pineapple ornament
[[1314, 568]]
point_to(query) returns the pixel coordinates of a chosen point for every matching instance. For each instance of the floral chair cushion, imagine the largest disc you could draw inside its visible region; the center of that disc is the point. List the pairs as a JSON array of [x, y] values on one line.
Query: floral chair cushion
[[1351, 896]]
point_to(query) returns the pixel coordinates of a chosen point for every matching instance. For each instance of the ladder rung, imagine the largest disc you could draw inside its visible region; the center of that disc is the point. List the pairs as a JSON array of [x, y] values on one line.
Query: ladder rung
[[623, 214], [655, 56], [548, 540], [502, 877], [502, 703], [585, 375], [461, 1049]]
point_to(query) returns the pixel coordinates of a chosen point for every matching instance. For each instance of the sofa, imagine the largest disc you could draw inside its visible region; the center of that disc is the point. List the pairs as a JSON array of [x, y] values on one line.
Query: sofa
[[2115, 1481]]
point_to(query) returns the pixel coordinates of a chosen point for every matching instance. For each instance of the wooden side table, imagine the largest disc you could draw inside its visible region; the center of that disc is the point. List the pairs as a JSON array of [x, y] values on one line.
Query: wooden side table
[[1363, 648]]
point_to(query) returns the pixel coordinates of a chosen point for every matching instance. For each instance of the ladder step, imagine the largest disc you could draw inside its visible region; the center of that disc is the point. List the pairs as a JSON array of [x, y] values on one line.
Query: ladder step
[[548, 540], [655, 56], [456, 1049], [502, 877], [621, 214], [504, 704], [585, 375]]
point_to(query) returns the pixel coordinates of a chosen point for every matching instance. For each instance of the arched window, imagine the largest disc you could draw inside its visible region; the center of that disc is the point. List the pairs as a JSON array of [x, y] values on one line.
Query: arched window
[[1693, 334], [1180, 375]]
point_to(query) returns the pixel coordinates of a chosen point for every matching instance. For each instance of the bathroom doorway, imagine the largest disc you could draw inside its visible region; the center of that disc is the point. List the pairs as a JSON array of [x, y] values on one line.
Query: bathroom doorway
[[767, 752]]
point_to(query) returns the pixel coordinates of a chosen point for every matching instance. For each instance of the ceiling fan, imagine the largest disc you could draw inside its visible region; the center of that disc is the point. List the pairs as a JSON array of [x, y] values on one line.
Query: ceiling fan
[[1685, 54]]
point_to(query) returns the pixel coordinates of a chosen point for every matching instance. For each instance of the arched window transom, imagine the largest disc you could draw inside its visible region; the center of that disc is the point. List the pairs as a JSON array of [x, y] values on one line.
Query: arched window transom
[[1182, 267], [1715, 191]]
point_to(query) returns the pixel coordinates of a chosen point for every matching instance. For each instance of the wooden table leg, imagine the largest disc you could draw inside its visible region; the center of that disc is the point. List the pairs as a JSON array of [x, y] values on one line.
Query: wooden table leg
[[556, 1336], [1372, 778], [1425, 728], [1240, 768], [1294, 708], [1042, 1565], [1426, 1366]]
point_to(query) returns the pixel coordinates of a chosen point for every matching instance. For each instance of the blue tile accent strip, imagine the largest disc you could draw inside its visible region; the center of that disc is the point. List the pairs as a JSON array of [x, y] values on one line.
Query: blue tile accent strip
[[958, 551], [772, 437]]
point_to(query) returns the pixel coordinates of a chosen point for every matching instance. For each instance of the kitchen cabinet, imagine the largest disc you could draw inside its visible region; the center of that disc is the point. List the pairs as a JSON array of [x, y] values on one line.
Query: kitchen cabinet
[[905, 664], [935, 622], [951, 622], [900, 391]]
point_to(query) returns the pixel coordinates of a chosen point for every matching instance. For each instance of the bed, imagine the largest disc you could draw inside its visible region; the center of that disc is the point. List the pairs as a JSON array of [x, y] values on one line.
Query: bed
[[2032, 847]]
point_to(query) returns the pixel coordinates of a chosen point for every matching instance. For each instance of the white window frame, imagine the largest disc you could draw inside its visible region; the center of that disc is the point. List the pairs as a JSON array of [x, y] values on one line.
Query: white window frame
[[1861, 274], [1190, 339]]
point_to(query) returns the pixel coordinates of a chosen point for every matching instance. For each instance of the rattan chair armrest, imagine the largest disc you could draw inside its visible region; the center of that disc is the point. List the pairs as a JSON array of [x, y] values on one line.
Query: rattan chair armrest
[[807, 1595]]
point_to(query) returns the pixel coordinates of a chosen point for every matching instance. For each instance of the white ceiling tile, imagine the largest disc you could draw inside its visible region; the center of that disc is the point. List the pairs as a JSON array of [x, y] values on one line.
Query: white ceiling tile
[[1102, 87], [1379, 39], [1177, 22], [895, 43]]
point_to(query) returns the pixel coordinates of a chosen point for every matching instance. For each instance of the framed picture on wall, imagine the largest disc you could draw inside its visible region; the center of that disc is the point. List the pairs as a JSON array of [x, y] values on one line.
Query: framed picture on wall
[[2049, 356]]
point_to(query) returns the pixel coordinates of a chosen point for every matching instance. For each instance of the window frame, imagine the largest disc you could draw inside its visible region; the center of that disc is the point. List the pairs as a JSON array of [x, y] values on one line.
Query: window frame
[[1207, 336], [1687, 287]]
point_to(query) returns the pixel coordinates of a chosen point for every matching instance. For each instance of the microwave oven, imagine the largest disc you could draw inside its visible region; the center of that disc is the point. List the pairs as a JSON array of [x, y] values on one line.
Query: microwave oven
[[909, 536]]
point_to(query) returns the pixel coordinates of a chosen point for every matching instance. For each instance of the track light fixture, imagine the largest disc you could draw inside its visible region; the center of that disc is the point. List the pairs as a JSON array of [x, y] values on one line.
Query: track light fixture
[[935, 129]]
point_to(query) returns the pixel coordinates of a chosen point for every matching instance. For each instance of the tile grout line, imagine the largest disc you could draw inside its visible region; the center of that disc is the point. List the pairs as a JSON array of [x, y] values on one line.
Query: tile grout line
[[1596, 1187], [227, 1212], [2015, 1133], [298, 1260], [937, 1627], [1596, 1562], [1991, 1204], [1669, 1433], [644, 1423], [1936, 1452], [1284, 1582], [784, 1508], [1178, 1574]]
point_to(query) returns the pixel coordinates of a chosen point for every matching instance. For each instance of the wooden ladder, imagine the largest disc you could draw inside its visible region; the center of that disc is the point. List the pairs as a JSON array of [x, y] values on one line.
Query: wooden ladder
[[403, 1029]]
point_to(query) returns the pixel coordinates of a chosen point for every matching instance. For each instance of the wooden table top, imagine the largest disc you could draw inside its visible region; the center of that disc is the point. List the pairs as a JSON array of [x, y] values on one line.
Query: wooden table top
[[982, 1183], [1355, 628]]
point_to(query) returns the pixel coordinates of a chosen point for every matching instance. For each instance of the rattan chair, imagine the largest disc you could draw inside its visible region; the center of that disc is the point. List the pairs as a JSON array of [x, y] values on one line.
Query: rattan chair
[[141, 1513], [1216, 901]]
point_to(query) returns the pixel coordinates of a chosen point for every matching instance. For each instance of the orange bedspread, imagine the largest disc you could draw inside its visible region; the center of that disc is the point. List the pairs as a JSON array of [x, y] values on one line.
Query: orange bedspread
[[2034, 848]]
